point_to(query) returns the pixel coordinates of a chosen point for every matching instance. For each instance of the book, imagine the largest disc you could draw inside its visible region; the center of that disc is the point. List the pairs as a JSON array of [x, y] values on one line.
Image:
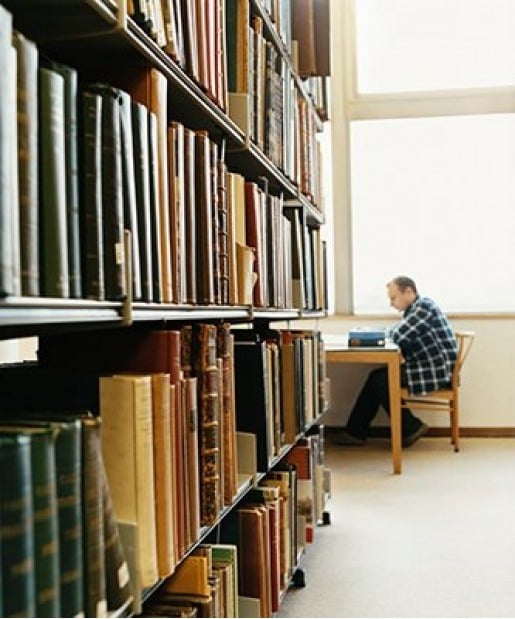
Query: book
[[27, 111], [7, 151], [140, 126], [367, 337], [128, 184], [90, 195], [204, 227], [112, 195], [17, 532], [70, 78], [190, 222], [163, 473], [45, 514], [66, 431], [53, 217], [126, 411]]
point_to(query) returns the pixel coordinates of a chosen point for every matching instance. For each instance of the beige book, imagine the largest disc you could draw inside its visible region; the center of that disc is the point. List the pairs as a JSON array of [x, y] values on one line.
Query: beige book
[[127, 449], [163, 473], [190, 578]]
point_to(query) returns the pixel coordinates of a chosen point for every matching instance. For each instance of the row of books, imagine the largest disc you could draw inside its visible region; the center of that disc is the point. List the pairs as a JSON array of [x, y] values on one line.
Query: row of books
[[196, 34], [266, 104], [170, 404], [247, 574], [118, 164], [60, 547], [284, 397]]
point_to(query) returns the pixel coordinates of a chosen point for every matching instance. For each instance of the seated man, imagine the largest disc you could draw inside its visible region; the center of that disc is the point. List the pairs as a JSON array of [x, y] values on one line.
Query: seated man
[[428, 348]]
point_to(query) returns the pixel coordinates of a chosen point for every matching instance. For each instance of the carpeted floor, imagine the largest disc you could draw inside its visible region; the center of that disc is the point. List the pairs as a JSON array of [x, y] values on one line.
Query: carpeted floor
[[436, 541]]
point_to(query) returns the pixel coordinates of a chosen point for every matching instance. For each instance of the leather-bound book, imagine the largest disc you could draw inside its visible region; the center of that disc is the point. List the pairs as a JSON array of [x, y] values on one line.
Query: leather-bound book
[[112, 194], [17, 532], [190, 219], [163, 470], [204, 220], [68, 466], [224, 223], [237, 22], [7, 152], [90, 195], [142, 186], [191, 459], [70, 77], [177, 210], [202, 47], [303, 31], [254, 237], [253, 548], [27, 106], [215, 222], [130, 215], [189, 17], [155, 215], [53, 231], [225, 350], [117, 579], [204, 356], [45, 516]]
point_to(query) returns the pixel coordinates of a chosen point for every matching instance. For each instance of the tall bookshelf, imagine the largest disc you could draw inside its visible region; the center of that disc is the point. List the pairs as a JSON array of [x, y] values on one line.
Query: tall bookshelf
[[160, 208]]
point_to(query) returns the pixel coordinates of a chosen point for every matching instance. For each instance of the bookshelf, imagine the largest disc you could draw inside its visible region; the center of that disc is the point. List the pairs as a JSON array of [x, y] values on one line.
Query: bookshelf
[[148, 224]]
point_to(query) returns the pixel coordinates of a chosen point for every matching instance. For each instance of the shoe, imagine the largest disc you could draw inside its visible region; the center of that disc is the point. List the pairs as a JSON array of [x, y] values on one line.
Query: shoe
[[408, 441], [345, 438]]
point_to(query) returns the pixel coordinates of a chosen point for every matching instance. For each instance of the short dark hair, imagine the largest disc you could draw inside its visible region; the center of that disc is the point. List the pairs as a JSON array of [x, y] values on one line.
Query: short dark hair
[[402, 282]]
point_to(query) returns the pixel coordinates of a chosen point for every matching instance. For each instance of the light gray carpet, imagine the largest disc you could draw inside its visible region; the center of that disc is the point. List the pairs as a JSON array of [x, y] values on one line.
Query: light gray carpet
[[436, 541]]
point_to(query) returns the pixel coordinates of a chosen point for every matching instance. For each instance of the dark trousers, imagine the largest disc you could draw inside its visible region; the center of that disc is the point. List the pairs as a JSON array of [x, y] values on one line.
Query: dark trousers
[[373, 395]]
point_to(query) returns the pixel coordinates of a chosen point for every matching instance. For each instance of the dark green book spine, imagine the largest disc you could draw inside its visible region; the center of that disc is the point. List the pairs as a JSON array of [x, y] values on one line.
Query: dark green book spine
[[16, 527], [27, 84], [90, 192], [46, 524]]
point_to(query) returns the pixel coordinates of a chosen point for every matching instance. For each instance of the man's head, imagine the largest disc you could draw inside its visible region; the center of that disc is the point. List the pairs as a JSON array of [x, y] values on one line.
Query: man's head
[[402, 291]]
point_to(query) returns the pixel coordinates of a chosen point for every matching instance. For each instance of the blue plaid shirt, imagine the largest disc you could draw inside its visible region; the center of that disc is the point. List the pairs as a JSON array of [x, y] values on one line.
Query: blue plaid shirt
[[428, 346]]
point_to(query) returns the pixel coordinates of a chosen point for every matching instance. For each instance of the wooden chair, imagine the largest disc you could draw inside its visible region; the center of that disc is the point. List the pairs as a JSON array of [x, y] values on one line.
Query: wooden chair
[[445, 400]]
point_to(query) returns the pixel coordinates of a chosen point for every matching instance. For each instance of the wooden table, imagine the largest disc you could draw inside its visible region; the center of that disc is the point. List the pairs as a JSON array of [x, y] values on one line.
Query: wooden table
[[389, 355]]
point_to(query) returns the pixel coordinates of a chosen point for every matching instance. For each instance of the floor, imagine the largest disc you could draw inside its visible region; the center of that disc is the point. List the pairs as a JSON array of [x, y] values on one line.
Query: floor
[[436, 541]]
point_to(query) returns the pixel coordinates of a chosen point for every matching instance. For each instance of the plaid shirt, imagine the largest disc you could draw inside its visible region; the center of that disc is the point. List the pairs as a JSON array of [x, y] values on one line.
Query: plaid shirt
[[428, 346]]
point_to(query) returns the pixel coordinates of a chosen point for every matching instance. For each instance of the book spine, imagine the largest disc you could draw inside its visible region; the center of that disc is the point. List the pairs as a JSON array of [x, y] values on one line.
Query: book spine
[[27, 89], [17, 531]]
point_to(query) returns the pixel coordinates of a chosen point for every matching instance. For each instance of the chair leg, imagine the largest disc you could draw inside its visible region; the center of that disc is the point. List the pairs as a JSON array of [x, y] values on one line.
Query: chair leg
[[455, 428]]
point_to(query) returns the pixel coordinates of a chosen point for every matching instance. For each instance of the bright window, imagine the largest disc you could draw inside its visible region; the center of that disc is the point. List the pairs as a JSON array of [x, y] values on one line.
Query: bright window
[[434, 198], [412, 45]]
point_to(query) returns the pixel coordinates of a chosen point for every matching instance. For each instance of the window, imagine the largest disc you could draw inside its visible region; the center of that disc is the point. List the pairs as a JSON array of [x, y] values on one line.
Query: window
[[434, 198], [429, 105], [406, 45]]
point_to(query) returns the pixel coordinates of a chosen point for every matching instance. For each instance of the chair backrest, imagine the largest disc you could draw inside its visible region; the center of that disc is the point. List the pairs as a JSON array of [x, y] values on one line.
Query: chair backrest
[[465, 340]]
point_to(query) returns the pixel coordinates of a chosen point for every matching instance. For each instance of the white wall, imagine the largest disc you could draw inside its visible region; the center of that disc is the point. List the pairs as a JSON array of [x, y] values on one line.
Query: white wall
[[488, 377]]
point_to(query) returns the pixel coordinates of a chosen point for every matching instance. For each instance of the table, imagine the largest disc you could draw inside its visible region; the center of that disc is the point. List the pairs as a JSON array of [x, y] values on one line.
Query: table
[[338, 351]]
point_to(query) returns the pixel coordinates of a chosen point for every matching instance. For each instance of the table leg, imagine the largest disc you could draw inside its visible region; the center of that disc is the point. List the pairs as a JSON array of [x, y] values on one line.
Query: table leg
[[394, 388]]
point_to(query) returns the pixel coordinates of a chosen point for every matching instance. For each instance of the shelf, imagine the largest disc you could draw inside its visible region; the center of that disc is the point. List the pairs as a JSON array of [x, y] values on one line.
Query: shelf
[[149, 312]]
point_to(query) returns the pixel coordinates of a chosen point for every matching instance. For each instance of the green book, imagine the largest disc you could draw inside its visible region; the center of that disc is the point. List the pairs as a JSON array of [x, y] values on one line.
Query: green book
[[53, 231], [27, 90], [67, 445], [70, 78], [17, 530], [45, 518], [90, 192]]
